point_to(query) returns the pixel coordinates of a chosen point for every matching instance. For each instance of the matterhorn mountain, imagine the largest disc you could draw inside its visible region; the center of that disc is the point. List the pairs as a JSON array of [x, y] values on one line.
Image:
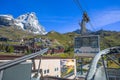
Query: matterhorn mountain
[[28, 22]]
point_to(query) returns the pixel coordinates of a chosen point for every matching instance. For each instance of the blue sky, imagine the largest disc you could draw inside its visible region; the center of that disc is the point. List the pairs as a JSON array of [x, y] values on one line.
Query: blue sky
[[63, 15]]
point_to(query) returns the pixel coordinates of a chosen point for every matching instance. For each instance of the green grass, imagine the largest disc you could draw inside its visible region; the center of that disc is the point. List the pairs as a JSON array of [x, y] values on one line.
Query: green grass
[[107, 38], [113, 65], [62, 55], [14, 34]]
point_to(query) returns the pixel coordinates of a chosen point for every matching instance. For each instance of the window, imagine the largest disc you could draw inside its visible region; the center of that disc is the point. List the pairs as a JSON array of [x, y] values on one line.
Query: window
[[47, 70], [44, 71], [55, 69]]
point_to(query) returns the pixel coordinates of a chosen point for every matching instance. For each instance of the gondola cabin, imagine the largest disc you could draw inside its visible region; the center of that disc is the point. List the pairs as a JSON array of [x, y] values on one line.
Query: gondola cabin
[[86, 45]]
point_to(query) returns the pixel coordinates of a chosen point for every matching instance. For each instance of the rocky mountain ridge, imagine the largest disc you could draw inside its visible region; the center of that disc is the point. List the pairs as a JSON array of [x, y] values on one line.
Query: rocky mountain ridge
[[27, 22]]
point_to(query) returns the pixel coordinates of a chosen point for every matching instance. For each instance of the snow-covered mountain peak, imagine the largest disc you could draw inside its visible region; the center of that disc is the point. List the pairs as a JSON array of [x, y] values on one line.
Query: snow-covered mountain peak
[[27, 16], [6, 20], [8, 17], [30, 23], [27, 22]]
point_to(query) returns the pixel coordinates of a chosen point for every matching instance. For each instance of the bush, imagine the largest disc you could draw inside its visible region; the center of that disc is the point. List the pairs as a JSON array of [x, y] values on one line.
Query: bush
[[29, 51], [9, 49]]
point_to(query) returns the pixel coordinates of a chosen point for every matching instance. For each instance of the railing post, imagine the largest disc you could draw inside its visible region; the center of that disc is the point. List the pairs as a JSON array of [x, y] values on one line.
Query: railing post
[[33, 63], [104, 67]]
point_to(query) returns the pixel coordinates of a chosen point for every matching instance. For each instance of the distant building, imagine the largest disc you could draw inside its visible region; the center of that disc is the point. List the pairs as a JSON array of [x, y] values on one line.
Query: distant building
[[58, 49], [50, 66], [57, 67]]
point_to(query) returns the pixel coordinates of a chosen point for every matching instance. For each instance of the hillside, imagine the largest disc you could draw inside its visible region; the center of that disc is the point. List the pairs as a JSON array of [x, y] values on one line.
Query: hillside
[[107, 38], [14, 33], [62, 39]]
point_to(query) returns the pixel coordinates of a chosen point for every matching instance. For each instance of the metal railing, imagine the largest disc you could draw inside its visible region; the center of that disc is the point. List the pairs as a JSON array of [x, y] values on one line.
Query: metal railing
[[93, 66], [21, 59]]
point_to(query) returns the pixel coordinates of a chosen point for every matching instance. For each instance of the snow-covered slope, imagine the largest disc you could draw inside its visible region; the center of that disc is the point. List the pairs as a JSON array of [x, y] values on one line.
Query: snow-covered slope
[[6, 20], [27, 22]]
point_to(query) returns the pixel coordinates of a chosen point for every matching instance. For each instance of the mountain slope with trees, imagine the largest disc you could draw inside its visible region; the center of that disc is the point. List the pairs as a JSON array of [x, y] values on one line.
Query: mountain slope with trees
[[107, 38]]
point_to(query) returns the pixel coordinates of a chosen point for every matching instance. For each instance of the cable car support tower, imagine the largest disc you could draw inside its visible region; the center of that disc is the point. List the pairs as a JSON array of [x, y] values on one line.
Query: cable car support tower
[[85, 45]]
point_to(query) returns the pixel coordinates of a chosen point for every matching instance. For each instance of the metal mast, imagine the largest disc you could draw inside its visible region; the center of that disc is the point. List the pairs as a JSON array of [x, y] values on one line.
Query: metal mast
[[85, 19]]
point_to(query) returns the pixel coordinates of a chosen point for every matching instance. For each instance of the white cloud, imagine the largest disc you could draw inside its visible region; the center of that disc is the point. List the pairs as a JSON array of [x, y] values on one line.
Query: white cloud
[[105, 17]]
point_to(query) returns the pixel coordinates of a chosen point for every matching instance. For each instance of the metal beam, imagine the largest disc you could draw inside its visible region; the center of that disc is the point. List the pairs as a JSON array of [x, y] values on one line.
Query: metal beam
[[104, 68], [113, 60], [21, 59]]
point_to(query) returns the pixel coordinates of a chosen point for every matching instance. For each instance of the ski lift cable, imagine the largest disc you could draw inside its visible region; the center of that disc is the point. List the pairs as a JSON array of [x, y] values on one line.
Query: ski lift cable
[[79, 5], [82, 10], [91, 25]]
